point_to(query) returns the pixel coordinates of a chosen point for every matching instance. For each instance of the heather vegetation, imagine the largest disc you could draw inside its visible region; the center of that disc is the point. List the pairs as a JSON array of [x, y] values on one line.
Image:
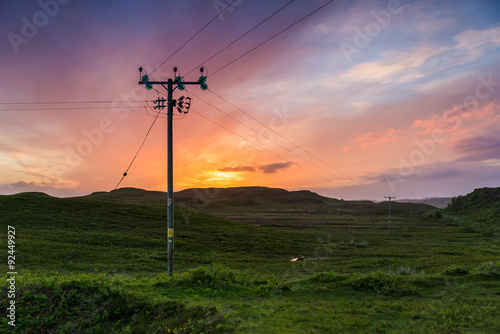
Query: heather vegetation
[[286, 262]]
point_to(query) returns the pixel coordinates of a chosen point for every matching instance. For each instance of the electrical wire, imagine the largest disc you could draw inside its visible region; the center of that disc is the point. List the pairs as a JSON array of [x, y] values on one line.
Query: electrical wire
[[261, 147], [68, 102], [272, 37], [252, 129], [370, 189], [109, 196], [22, 104], [192, 37], [236, 40], [367, 189], [164, 114], [371, 192], [68, 108]]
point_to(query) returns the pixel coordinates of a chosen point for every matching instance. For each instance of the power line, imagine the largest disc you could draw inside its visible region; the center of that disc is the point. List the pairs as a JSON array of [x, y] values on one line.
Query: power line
[[265, 149], [261, 147], [69, 108], [370, 189], [70, 102], [236, 40], [192, 37], [372, 192], [272, 37], [109, 196], [252, 129]]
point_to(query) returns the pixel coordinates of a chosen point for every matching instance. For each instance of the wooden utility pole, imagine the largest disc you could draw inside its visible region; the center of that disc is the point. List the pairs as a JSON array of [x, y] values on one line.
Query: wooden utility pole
[[390, 198], [170, 173]]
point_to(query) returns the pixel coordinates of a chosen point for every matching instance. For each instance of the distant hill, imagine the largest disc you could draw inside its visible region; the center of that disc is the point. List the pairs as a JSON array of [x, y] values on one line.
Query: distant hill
[[438, 202], [482, 203], [35, 193], [219, 201], [250, 196], [216, 197], [131, 195]]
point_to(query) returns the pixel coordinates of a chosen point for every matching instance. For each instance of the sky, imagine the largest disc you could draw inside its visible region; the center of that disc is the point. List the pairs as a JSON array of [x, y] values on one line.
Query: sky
[[350, 99]]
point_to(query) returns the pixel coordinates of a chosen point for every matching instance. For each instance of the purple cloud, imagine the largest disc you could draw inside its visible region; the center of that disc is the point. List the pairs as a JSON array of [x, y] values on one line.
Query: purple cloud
[[478, 148], [273, 168]]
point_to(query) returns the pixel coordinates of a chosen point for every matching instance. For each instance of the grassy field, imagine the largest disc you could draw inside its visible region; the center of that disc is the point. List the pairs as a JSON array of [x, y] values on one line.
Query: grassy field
[[436, 273]]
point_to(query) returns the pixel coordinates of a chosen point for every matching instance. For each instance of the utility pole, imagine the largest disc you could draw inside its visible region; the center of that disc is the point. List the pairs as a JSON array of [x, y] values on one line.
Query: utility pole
[[389, 197], [183, 105]]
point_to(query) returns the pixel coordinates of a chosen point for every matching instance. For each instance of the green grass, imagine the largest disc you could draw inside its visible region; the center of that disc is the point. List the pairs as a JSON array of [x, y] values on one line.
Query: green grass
[[433, 274], [482, 205]]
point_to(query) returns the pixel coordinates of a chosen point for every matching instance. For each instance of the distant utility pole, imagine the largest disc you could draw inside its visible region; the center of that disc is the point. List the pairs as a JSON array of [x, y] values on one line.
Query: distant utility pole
[[390, 197], [183, 105]]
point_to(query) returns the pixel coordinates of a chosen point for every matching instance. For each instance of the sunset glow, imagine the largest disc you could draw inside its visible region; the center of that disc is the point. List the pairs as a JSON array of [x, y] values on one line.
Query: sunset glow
[[359, 100]]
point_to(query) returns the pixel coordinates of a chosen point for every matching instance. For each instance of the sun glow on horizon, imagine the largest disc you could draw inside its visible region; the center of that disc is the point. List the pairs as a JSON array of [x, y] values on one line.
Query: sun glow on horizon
[[217, 178]]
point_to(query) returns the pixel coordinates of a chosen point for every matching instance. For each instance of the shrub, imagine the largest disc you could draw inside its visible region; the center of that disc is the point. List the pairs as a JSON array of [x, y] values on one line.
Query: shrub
[[327, 277], [488, 269], [217, 277], [384, 284], [361, 244], [406, 271], [85, 304], [275, 287], [456, 271]]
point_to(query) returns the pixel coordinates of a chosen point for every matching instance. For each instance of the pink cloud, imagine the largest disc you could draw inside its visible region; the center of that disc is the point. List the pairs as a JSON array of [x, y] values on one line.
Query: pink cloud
[[371, 139], [474, 39], [452, 120]]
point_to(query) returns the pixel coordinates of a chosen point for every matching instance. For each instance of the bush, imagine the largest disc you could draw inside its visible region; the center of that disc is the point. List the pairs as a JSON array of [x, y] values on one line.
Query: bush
[[217, 277], [406, 271], [85, 304], [275, 287], [327, 277], [384, 284], [488, 269], [456, 271]]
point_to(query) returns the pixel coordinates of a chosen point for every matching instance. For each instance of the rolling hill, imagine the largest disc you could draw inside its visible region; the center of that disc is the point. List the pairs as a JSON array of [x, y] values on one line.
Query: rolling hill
[[254, 199], [438, 202], [271, 207], [217, 197], [483, 204], [314, 265]]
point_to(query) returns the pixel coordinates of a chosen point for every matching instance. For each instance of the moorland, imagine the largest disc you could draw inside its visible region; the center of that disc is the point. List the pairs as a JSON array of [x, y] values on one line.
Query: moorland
[[252, 260]]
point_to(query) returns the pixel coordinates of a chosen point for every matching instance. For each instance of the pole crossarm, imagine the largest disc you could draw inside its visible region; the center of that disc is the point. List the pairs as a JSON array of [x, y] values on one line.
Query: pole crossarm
[[166, 82]]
